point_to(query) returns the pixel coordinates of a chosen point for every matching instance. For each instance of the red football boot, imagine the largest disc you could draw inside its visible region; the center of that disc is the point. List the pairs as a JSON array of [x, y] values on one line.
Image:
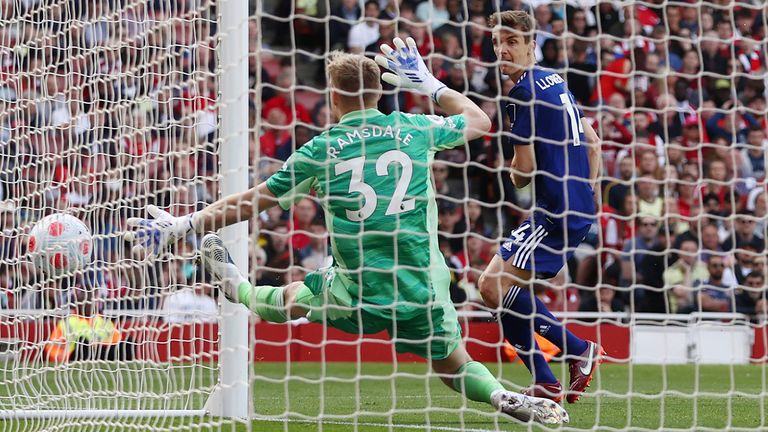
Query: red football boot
[[582, 370], [552, 391]]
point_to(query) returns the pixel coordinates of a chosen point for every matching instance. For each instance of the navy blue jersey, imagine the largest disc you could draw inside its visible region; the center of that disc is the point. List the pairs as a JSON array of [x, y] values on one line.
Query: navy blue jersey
[[543, 113]]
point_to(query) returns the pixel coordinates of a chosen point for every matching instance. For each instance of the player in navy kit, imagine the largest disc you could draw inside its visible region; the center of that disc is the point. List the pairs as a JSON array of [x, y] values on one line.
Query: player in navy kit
[[559, 152]]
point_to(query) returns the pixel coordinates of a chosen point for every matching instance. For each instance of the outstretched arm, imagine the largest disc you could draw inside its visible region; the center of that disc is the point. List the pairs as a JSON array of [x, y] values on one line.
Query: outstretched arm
[[407, 69], [234, 208], [477, 121], [163, 229]]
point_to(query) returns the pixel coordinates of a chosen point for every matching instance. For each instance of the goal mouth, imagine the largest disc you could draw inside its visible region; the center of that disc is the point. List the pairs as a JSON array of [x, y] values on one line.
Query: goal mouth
[[107, 107]]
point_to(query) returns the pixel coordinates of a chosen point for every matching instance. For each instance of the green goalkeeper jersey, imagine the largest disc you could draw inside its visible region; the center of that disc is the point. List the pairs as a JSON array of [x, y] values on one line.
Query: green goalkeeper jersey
[[371, 173]]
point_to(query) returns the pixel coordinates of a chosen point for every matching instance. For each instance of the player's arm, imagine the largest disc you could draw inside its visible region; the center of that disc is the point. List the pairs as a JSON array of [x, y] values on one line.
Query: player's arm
[[523, 165], [234, 208], [477, 121], [165, 229], [292, 182], [593, 152], [407, 70]]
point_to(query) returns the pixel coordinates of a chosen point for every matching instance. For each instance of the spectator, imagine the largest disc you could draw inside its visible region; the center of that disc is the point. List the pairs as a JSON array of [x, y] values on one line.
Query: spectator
[[608, 301], [649, 200], [190, 305], [304, 214], [713, 295], [580, 73], [617, 190], [744, 234], [552, 55], [692, 140], [614, 78], [433, 12], [733, 125], [756, 203], [478, 43], [637, 248], [285, 101], [261, 277], [342, 17], [459, 294], [615, 138], [696, 219], [386, 34], [84, 334], [744, 265], [751, 298], [753, 155], [276, 134], [710, 241], [365, 32], [316, 254], [717, 183], [279, 252], [685, 273]]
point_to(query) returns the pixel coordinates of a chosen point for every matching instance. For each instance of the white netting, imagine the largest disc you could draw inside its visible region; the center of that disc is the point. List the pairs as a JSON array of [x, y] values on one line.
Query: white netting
[[108, 106]]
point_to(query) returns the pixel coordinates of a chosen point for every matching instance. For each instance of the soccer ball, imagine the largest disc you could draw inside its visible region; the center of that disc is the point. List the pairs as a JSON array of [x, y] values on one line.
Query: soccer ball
[[60, 244]]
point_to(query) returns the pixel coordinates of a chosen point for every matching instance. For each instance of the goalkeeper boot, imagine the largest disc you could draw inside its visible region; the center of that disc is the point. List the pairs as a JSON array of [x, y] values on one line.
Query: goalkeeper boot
[[552, 391], [582, 369], [526, 408], [218, 263]]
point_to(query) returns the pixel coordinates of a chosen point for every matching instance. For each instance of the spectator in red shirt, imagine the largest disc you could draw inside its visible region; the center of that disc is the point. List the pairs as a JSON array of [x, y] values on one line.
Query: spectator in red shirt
[[285, 102], [275, 133], [613, 79], [304, 213]]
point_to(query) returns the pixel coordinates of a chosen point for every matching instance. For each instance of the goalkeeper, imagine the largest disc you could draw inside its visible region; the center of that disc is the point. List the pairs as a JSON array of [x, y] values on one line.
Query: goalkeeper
[[371, 172]]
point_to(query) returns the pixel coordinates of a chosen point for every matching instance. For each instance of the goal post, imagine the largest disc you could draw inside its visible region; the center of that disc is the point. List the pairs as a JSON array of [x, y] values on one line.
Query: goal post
[[231, 396]]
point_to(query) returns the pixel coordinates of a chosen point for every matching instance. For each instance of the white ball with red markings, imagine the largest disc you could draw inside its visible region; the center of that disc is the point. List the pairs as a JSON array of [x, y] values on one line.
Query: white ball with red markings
[[60, 244]]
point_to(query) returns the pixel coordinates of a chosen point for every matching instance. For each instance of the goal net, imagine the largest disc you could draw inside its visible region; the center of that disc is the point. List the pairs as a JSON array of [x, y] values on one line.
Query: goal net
[[108, 106]]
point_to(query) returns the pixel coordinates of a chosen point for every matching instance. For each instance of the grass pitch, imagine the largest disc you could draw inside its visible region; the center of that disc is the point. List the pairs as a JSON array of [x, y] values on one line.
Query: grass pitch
[[384, 397]]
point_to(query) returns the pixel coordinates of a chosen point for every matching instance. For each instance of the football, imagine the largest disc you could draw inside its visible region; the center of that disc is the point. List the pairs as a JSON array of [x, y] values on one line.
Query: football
[[60, 244]]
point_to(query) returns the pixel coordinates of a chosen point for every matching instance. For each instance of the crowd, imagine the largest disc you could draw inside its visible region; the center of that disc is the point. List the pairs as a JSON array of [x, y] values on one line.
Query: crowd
[[675, 90]]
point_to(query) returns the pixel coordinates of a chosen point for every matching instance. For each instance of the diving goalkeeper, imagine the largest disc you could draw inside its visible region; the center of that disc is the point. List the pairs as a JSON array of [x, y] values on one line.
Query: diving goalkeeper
[[371, 172]]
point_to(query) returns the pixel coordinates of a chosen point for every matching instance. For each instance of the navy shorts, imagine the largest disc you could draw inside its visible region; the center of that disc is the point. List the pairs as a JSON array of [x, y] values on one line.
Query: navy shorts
[[542, 246]]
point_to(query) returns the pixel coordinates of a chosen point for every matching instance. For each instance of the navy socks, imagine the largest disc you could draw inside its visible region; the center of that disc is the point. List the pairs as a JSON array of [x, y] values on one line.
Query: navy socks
[[519, 324]]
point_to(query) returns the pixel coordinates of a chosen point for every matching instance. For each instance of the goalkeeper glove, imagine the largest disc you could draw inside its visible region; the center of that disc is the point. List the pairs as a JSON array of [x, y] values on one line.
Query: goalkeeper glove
[[160, 232], [407, 69]]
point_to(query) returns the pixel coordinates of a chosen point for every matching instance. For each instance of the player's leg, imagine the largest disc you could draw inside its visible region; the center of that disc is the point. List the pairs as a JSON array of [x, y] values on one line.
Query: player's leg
[[472, 379], [500, 285], [459, 372], [506, 283], [273, 304]]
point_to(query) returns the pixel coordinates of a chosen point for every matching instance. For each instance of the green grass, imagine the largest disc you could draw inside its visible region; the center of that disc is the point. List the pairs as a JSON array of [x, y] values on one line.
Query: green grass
[[388, 398]]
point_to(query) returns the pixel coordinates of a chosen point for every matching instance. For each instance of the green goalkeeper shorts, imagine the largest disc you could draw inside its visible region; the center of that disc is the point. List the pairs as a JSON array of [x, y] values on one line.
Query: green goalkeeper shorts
[[433, 334]]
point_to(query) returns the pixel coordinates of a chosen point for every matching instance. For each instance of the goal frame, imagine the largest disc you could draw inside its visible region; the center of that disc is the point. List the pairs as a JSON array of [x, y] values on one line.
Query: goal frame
[[230, 396]]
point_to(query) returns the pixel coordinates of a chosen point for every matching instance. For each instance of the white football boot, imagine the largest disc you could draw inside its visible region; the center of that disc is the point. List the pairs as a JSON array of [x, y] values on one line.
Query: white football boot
[[528, 408]]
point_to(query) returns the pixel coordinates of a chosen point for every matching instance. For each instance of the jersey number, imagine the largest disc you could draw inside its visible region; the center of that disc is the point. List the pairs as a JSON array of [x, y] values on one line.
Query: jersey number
[[518, 235], [356, 184], [576, 126]]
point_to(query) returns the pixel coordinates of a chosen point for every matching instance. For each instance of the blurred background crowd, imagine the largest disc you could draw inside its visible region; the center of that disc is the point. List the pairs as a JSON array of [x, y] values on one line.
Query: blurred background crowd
[[120, 111]]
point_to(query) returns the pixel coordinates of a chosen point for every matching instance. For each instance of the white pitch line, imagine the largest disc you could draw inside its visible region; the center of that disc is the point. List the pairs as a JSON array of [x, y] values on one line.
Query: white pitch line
[[383, 425]]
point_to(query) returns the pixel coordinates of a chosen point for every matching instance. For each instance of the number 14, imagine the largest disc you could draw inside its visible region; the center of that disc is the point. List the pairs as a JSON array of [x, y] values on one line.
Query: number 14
[[576, 126]]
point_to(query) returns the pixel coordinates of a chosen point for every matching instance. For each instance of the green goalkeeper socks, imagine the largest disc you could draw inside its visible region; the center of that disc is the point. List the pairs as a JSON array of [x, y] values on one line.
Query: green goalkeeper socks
[[476, 382], [266, 301]]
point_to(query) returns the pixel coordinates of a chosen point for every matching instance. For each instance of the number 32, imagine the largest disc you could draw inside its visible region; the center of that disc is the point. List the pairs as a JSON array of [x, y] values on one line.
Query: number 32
[[356, 184]]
